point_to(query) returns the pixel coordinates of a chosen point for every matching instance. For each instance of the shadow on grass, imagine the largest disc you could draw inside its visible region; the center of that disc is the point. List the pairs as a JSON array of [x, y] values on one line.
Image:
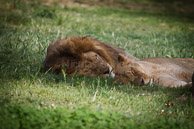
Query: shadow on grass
[[98, 83]]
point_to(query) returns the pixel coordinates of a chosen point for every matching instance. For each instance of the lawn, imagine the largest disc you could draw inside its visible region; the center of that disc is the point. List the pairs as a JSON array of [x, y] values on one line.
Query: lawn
[[32, 98]]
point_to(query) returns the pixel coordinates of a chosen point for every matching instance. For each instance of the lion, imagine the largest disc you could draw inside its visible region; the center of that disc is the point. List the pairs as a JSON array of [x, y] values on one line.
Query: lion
[[84, 56], [159, 71]]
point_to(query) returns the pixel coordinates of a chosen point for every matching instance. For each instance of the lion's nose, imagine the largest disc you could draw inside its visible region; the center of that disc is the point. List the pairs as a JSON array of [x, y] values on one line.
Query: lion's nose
[[107, 71], [110, 73], [142, 81]]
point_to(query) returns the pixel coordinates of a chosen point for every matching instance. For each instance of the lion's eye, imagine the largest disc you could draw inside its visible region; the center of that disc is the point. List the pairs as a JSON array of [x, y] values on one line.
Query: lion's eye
[[129, 73]]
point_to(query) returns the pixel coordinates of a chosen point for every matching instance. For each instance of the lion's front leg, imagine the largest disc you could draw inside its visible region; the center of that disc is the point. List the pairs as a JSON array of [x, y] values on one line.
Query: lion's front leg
[[170, 81]]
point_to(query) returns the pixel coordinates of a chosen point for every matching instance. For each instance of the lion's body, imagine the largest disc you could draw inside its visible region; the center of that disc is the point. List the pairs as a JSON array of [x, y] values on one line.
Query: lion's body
[[163, 71], [75, 50]]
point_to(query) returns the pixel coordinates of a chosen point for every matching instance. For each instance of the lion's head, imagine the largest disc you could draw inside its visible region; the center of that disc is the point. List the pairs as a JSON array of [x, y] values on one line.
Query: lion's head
[[89, 63], [130, 71], [93, 65]]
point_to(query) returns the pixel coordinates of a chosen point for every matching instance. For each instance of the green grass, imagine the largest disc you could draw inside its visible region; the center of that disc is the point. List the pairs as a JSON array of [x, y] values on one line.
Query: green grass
[[31, 98]]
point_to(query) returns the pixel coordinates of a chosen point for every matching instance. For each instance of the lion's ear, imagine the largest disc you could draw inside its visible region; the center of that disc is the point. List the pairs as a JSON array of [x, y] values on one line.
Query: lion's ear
[[121, 58]]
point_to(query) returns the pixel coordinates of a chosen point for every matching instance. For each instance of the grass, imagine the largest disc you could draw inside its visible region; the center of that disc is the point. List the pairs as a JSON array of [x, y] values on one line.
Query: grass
[[31, 98]]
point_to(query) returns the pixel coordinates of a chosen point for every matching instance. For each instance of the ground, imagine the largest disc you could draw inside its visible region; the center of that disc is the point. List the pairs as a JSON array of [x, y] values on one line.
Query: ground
[[32, 98]]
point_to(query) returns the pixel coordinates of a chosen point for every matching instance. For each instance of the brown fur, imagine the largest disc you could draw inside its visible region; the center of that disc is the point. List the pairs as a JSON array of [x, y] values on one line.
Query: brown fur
[[70, 52], [163, 71]]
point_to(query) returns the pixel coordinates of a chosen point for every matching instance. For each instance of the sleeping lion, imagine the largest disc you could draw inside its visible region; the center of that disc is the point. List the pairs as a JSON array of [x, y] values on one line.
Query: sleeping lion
[[83, 56], [159, 71]]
